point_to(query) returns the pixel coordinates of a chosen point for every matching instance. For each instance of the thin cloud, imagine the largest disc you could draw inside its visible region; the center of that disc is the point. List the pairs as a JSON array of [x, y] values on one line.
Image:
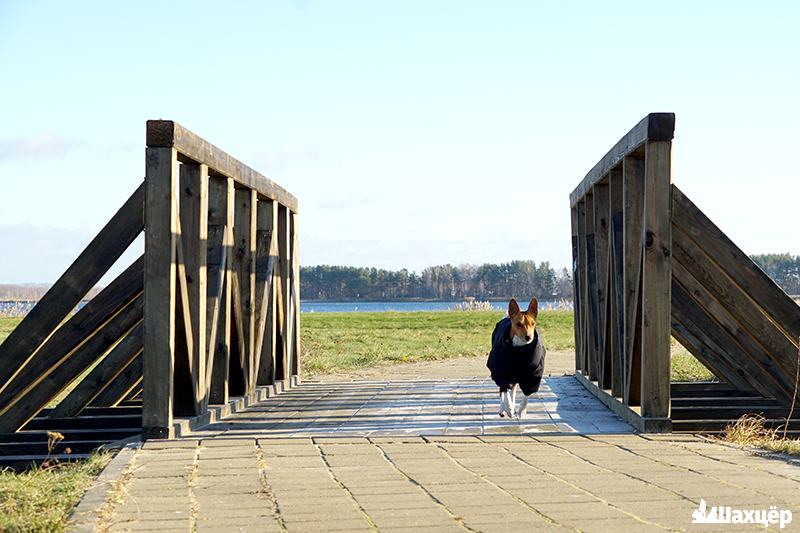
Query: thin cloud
[[346, 202], [43, 145]]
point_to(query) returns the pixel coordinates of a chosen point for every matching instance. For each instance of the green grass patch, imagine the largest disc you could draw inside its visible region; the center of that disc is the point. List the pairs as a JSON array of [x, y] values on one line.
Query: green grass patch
[[348, 341], [7, 325], [42, 498]]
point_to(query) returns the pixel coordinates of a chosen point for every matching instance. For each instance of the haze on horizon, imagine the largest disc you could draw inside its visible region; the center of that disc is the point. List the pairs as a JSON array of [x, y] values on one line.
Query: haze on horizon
[[413, 134]]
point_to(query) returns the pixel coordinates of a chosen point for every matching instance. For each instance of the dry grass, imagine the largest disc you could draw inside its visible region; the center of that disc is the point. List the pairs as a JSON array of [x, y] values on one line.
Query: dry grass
[[751, 430]]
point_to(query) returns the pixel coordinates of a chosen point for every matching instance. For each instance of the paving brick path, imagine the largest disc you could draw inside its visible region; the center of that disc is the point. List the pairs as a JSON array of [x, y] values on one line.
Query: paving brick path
[[263, 470]]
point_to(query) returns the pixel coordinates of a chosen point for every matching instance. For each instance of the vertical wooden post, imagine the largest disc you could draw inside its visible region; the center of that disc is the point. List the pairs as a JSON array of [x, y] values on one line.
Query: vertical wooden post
[[582, 276], [616, 296], [161, 220], [601, 268], [284, 254], [591, 283], [633, 212], [656, 281], [194, 234], [223, 213], [295, 296], [576, 289], [268, 223], [250, 337]]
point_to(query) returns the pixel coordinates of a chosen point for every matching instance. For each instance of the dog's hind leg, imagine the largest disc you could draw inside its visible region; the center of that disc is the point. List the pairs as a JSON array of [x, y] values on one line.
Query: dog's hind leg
[[505, 404], [513, 399], [523, 406]]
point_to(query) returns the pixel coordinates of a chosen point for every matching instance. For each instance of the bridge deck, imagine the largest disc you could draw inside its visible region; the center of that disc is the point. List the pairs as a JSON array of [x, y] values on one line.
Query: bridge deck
[[418, 407]]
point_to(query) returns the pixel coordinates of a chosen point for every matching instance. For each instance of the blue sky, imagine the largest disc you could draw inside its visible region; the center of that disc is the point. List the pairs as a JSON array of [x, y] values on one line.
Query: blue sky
[[413, 133]]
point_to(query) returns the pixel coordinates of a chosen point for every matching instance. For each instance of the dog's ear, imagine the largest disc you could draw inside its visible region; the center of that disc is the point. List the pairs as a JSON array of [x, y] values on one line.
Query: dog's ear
[[513, 307], [533, 308]]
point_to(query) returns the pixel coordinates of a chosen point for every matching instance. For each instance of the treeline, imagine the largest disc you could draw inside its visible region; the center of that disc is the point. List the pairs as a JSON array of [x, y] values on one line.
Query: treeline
[[444, 282], [783, 268], [31, 291]]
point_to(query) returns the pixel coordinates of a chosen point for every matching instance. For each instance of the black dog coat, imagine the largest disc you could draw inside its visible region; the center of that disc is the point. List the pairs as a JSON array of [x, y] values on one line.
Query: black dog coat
[[511, 364]]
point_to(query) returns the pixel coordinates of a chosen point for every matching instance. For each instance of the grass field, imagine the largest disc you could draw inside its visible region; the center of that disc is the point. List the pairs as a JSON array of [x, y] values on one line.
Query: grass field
[[349, 341]]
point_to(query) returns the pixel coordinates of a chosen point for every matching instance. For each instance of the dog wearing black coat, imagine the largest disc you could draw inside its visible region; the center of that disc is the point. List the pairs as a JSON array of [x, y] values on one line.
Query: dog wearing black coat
[[517, 357]]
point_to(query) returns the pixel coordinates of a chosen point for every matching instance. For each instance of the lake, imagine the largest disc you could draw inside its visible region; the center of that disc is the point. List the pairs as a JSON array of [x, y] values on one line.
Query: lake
[[21, 308]]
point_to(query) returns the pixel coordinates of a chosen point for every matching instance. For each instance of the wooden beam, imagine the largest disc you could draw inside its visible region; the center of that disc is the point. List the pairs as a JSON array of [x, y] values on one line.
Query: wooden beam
[[736, 264], [601, 246], [722, 348], [243, 282], [266, 259], [26, 406], [748, 315], [653, 127], [160, 296], [748, 353], [221, 208], [656, 280], [285, 253], [616, 260], [72, 286], [576, 288], [194, 236], [170, 134], [109, 368], [592, 295], [583, 347], [184, 401], [633, 218], [121, 386], [74, 332], [295, 317]]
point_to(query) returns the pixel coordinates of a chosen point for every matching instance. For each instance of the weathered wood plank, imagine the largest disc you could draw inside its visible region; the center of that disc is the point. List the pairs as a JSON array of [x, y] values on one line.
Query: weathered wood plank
[[185, 403], [726, 292], [285, 258], [215, 264], [592, 296], [751, 354], [601, 246], [582, 277], [633, 218], [616, 258], [656, 280], [72, 286], [127, 381], [91, 317], [653, 127], [109, 368], [736, 264], [169, 134], [243, 283], [266, 373], [576, 288], [161, 227], [252, 359], [722, 347], [221, 212], [194, 236], [33, 400], [266, 259], [295, 316]]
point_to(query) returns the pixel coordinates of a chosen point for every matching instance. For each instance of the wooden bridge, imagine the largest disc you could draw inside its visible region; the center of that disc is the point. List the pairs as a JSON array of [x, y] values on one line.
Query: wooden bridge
[[648, 263], [207, 320]]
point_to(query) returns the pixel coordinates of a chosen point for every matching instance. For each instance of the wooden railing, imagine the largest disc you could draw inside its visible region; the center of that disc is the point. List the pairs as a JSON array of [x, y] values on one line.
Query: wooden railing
[[210, 311], [648, 263], [221, 278], [621, 249]]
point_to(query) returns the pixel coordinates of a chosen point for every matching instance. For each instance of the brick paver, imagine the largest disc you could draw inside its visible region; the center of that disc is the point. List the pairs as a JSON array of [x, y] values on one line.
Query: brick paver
[[367, 457]]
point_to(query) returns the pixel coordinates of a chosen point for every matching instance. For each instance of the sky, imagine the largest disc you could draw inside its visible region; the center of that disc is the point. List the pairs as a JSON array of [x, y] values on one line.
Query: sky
[[413, 133]]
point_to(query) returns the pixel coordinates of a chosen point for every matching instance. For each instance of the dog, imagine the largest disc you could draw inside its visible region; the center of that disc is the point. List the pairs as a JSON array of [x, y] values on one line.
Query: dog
[[517, 357]]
